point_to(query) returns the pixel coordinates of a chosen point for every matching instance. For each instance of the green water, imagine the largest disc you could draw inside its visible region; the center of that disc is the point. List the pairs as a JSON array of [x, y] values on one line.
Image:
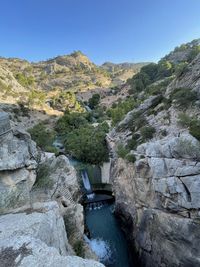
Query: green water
[[104, 226]]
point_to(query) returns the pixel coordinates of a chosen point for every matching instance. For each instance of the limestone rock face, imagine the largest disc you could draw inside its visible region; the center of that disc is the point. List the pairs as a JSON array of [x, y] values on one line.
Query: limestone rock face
[[158, 200], [28, 251], [168, 240], [63, 175], [17, 150], [190, 79], [18, 163], [62, 181], [43, 222], [15, 188], [105, 172], [37, 238]]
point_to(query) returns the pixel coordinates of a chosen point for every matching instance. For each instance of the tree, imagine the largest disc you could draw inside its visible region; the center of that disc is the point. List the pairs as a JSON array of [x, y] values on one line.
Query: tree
[[88, 144], [70, 122], [94, 101], [43, 137]]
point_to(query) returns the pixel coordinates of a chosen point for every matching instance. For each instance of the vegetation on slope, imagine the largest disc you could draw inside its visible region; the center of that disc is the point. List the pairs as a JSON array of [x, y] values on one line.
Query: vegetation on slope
[[43, 137], [82, 140]]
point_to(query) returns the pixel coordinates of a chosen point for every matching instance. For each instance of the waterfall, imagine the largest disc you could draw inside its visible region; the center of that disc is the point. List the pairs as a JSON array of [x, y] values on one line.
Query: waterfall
[[87, 185], [86, 181]]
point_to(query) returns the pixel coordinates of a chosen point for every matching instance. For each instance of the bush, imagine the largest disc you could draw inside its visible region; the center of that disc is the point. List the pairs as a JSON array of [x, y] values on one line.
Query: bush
[[42, 178], [133, 142], [186, 147], [94, 101], [195, 51], [149, 74], [137, 121], [184, 120], [42, 136], [24, 80], [122, 151], [70, 122], [183, 98], [180, 69], [52, 149], [78, 247], [118, 111], [147, 132], [195, 129], [131, 158], [192, 123]]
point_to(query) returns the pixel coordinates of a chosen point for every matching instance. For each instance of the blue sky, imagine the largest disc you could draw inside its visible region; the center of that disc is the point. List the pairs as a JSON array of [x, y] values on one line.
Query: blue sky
[[105, 30]]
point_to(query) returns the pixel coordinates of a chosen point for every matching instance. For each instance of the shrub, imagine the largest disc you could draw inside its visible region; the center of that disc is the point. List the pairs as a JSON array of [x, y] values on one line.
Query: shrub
[[181, 68], [42, 136], [131, 158], [195, 51], [70, 122], [183, 97], [119, 110], [147, 132], [24, 80], [78, 247], [186, 147], [52, 149], [137, 121], [149, 74], [42, 178], [122, 151], [94, 101], [195, 129], [184, 120], [192, 123], [133, 142]]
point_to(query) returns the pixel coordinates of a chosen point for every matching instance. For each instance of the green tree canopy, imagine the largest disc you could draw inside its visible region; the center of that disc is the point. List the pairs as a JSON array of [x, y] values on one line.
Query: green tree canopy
[[94, 101], [88, 144]]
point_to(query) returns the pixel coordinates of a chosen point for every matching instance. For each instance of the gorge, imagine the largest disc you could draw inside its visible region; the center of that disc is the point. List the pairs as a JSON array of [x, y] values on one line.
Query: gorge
[[116, 184]]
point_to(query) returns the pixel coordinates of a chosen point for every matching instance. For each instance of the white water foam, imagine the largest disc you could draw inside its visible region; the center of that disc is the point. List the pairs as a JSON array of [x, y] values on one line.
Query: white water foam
[[101, 248], [90, 196]]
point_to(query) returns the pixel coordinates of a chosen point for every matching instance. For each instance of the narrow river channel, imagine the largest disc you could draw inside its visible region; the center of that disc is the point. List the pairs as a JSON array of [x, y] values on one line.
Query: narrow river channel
[[106, 238]]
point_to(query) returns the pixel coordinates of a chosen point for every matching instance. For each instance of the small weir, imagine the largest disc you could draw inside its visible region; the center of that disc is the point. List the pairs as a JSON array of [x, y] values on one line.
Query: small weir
[[106, 238]]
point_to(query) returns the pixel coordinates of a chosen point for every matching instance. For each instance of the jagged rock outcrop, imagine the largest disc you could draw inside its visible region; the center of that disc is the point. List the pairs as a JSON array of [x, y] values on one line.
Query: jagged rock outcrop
[[17, 151], [157, 197], [189, 79], [32, 227], [37, 238], [43, 221], [18, 163]]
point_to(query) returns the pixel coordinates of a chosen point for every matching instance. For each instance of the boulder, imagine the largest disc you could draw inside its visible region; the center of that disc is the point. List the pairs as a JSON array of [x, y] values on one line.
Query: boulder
[[17, 150]]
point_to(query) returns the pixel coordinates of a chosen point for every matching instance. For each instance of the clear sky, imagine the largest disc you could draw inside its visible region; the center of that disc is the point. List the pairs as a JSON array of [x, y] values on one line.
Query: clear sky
[[105, 30]]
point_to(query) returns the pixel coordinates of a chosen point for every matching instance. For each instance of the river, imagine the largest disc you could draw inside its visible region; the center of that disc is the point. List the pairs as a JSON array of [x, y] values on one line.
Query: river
[[106, 238]]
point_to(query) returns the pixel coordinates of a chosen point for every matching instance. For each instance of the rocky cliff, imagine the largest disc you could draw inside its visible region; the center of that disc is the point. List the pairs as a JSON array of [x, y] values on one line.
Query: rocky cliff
[[41, 222], [157, 184]]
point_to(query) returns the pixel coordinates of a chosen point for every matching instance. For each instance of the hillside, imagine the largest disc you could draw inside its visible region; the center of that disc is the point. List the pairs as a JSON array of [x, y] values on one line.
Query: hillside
[[54, 85], [122, 71]]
